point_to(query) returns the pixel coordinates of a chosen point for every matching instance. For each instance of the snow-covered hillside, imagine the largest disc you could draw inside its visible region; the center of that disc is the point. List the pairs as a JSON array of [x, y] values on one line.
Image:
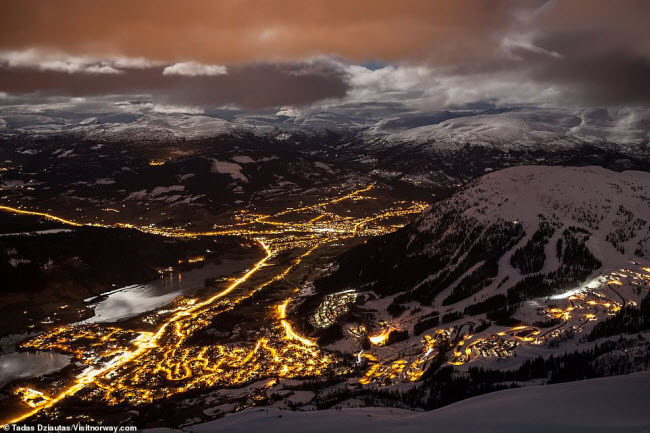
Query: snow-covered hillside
[[467, 244], [433, 151], [614, 404], [154, 127], [508, 128], [544, 129], [526, 262]]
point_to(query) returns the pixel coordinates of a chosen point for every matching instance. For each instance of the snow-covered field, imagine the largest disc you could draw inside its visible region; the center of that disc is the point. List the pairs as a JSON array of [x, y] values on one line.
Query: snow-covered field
[[613, 404]]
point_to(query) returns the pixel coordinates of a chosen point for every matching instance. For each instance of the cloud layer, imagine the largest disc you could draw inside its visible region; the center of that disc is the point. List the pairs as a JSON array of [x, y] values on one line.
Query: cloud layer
[[194, 69], [251, 86], [254, 54]]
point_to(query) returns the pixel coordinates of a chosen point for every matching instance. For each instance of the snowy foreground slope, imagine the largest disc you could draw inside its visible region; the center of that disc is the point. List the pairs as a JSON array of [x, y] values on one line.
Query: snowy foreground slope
[[613, 404]]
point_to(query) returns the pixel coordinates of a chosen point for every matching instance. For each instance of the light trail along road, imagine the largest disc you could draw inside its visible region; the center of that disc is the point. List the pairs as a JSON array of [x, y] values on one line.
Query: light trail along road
[[141, 366], [138, 366]]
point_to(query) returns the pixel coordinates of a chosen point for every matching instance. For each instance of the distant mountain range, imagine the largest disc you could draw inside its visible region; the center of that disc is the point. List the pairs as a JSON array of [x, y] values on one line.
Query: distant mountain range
[[520, 127], [240, 154]]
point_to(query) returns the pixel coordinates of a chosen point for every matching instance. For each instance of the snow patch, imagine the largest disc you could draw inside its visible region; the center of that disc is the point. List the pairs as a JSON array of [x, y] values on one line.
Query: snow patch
[[230, 168]]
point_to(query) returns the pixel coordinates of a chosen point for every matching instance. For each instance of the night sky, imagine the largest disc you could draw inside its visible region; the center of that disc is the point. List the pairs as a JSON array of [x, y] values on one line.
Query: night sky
[[426, 55]]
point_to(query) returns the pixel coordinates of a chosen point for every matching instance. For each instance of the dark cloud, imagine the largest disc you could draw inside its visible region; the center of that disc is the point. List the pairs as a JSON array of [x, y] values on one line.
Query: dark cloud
[[264, 85], [593, 52], [251, 86], [603, 47], [615, 79], [598, 63]]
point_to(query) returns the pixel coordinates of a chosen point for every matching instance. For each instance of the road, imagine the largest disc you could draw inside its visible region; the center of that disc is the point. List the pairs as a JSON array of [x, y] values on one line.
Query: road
[[140, 366]]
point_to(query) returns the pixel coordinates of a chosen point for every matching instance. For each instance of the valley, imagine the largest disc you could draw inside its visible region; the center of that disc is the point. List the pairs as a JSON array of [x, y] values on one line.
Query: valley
[[318, 320], [141, 358], [312, 216]]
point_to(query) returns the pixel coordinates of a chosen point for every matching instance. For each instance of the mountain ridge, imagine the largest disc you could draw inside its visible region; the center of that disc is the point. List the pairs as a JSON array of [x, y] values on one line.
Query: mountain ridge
[[468, 242]]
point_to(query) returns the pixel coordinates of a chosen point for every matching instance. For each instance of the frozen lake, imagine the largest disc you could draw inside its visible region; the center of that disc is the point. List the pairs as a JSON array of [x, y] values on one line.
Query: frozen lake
[[22, 365], [136, 299], [116, 305]]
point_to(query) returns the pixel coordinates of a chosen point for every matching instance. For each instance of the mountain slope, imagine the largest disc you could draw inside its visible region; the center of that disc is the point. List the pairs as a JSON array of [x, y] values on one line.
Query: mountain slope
[[614, 404], [215, 161], [522, 232], [520, 128], [507, 128]]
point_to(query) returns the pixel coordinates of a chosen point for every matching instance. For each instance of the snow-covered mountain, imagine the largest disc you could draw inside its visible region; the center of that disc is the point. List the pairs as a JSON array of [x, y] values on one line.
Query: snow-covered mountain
[[434, 151], [508, 281], [166, 127], [520, 127], [505, 226], [531, 247]]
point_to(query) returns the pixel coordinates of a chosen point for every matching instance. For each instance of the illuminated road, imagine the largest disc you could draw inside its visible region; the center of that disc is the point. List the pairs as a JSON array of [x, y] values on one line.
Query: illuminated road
[[39, 214], [123, 365], [156, 361]]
